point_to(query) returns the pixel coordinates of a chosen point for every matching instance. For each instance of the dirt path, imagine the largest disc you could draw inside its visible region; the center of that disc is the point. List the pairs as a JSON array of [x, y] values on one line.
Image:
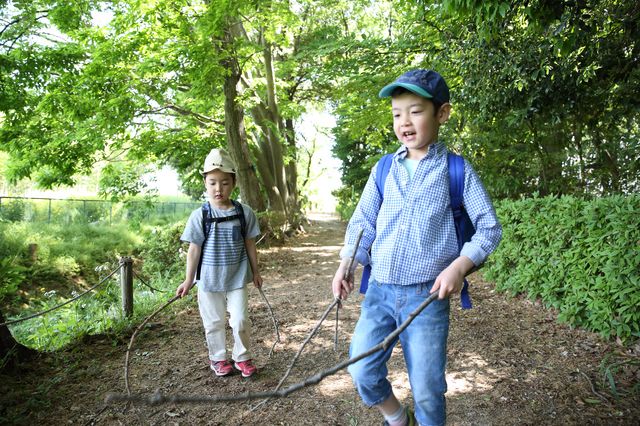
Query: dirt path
[[510, 363]]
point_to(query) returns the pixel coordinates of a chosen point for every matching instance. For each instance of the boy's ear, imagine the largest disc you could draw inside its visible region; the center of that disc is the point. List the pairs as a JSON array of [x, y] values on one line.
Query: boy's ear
[[444, 112]]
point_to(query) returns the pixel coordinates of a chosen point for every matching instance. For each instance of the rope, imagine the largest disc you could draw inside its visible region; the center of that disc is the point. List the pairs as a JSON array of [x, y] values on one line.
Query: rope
[[143, 282], [62, 304], [159, 398]]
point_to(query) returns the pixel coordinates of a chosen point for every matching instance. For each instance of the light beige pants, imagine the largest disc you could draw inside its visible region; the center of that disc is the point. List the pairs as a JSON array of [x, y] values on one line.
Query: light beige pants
[[213, 307]]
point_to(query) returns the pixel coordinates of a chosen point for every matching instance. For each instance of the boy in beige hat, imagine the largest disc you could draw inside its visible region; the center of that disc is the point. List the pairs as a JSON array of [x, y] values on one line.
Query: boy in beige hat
[[222, 259]]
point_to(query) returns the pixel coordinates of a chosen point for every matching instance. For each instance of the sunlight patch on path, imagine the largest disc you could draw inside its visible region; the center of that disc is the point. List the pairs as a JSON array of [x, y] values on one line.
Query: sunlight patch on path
[[322, 216], [336, 385], [474, 375]]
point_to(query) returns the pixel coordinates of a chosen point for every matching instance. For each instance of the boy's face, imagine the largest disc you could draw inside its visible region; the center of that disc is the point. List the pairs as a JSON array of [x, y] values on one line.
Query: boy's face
[[219, 186], [415, 123]]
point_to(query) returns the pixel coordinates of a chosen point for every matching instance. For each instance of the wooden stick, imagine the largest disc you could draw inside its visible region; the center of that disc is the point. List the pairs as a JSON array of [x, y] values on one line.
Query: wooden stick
[[133, 336], [347, 275], [273, 318], [295, 358], [159, 398]]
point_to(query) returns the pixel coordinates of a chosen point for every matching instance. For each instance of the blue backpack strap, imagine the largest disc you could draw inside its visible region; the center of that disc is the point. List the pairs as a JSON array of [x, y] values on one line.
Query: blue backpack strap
[[382, 171], [206, 226], [243, 220], [464, 228]]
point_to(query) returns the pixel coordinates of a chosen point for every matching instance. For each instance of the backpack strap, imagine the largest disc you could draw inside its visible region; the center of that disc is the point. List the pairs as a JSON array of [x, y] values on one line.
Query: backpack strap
[[455, 164], [382, 171], [240, 215], [207, 220]]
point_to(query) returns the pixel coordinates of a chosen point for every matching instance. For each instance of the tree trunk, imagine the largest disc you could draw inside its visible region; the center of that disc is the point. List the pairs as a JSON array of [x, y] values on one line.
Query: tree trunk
[[11, 352], [247, 179]]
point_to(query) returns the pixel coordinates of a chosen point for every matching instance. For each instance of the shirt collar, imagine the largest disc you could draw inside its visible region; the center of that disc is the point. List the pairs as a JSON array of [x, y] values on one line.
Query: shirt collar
[[434, 150]]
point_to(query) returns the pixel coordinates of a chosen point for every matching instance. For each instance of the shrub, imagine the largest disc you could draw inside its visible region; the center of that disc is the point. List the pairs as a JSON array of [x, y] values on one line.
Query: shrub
[[579, 256], [11, 275], [163, 253], [13, 210]]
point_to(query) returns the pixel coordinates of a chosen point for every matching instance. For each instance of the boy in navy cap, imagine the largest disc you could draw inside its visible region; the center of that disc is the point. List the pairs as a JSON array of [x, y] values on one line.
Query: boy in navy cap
[[409, 240]]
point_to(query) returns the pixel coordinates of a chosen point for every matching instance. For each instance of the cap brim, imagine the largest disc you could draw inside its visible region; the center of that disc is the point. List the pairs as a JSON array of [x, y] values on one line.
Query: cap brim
[[222, 169], [388, 90]]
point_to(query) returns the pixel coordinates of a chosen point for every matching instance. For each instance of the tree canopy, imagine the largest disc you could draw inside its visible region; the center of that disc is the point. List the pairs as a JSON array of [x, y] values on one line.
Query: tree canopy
[[544, 93]]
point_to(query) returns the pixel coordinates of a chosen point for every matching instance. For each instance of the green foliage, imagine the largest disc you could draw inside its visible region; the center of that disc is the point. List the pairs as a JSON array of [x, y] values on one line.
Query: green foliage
[[163, 253], [12, 210], [347, 202], [11, 275], [67, 255], [122, 181], [541, 91], [63, 252], [578, 256], [135, 212], [617, 371]]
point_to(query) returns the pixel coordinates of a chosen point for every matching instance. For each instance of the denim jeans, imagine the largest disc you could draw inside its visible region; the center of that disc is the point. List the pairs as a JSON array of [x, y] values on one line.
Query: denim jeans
[[424, 345]]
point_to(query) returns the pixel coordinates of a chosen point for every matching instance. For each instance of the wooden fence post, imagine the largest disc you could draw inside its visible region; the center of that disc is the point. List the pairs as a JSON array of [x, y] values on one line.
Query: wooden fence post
[[126, 285]]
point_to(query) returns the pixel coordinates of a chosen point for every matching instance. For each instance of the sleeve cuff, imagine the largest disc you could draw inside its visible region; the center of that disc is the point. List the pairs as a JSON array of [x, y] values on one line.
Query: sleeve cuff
[[362, 256], [473, 252]]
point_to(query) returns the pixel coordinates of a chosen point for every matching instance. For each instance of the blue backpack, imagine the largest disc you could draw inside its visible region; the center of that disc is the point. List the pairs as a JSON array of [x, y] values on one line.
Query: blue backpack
[[208, 219], [463, 224]]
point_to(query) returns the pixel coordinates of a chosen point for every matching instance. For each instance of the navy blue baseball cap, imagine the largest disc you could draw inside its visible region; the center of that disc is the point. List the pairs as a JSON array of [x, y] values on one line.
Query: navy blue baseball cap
[[426, 83]]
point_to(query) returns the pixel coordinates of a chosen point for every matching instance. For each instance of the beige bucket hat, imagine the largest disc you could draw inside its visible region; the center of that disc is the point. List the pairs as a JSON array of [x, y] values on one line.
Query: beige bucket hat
[[218, 159]]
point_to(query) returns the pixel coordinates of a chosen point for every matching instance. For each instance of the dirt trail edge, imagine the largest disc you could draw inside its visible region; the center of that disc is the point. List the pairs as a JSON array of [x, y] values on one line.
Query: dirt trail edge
[[510, 362]]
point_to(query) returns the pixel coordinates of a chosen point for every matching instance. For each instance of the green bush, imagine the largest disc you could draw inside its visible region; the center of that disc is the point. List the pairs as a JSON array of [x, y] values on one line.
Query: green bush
[[347, 202], [11, 275], [163, 253], [12, 210], [66, 256], [581, 257]]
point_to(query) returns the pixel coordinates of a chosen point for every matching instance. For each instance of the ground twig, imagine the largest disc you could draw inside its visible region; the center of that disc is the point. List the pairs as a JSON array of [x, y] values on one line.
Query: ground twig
[[273, 318], [159, 398], [133, 336]]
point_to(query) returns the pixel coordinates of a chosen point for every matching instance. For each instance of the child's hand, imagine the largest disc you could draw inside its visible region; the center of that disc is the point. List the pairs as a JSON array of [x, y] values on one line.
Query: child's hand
[[257, 280], [183, 289], [451, 279], [340, 286], [448, 282]]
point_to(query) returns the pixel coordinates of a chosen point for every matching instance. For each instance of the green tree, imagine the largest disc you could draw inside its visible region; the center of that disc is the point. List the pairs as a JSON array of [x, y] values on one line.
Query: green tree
[[164, 83], [542, 91]]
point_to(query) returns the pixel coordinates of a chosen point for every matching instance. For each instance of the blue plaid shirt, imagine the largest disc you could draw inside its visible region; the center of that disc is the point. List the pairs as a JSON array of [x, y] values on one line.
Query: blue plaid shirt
[[409, 237]]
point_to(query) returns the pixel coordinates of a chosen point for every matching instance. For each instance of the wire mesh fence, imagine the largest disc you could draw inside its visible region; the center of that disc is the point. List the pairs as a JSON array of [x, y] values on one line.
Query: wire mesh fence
[[67, 211]]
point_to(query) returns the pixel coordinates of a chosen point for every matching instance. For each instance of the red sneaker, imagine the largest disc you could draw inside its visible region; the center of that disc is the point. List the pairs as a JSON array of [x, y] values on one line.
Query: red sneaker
[[221, 368], [247, 369]]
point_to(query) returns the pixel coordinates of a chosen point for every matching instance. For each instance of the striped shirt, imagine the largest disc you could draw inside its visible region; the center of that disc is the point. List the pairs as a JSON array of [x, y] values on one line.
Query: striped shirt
[[409, 237], [225, 265]]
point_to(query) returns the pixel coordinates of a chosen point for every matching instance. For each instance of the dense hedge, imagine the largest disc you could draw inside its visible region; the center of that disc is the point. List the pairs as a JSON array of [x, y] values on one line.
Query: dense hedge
[[579, 256]]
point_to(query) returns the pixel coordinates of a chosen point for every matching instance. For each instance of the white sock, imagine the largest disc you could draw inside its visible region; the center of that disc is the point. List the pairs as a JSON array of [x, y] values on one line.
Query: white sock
[[399, 418]]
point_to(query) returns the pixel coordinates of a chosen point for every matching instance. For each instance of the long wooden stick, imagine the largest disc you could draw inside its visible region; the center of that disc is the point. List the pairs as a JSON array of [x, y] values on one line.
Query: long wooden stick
[[347, 275], [159, 398], [133, 336], [273, 318]]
